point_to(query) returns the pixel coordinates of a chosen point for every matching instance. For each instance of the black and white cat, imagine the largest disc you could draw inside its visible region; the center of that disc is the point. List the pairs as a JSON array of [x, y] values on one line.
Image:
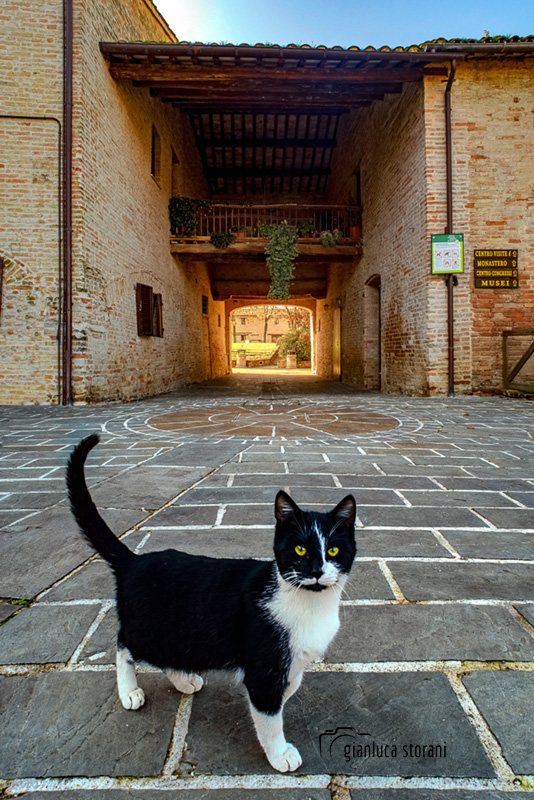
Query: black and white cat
[[267, 620]]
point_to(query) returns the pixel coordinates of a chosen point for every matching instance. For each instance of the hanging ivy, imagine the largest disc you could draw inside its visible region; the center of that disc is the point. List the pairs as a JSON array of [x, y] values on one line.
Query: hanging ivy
[[183, 214], [281, 251]]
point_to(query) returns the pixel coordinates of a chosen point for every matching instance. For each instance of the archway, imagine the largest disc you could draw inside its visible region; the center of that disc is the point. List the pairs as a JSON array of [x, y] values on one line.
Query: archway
[[258, 324]]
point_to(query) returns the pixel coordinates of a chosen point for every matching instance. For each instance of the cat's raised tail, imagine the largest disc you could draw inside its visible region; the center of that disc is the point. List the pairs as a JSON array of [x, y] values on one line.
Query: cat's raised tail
[[86, 513]]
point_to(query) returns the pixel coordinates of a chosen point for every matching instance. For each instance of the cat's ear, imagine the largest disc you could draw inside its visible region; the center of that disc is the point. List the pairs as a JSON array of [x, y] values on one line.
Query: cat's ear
[[345, 510], [284, 506]]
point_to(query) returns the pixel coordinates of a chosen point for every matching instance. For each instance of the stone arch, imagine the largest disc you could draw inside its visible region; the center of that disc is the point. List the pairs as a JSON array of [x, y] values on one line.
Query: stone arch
[[308, 303]]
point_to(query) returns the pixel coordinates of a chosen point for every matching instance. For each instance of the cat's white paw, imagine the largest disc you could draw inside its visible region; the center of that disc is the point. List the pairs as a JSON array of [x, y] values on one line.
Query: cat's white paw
[[187, 683], [192, 684], [287, 761], [133, 700]]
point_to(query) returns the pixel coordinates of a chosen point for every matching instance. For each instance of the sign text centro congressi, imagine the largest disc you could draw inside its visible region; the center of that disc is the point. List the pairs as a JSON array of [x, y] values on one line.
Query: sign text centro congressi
[[496, 269]]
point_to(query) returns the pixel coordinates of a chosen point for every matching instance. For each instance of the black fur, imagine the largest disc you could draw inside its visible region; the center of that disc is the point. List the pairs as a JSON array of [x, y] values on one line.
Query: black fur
[[195, 613]]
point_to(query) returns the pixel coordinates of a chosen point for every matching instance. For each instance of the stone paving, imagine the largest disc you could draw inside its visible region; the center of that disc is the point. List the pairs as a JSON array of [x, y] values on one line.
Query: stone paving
[[426, 693]]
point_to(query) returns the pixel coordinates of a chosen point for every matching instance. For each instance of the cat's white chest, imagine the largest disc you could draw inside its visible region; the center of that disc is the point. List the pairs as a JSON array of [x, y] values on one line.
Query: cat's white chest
[[311, 620]]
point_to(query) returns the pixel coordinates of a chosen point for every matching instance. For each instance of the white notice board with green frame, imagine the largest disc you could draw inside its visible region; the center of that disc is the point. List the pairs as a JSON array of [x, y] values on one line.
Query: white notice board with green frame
[[447, 253]]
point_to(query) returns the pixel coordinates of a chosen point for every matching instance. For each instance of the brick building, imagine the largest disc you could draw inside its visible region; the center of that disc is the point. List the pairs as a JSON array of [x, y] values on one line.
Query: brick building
[[99, 302]]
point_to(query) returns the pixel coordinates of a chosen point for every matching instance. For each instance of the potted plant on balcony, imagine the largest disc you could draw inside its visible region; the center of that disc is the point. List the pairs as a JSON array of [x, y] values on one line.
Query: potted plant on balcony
[[306, 228], [222, 240], [330, 238]]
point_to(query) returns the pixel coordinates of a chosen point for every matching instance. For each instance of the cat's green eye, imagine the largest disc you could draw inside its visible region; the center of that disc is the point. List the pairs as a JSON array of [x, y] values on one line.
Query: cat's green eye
[[300, 550], [333, 551]]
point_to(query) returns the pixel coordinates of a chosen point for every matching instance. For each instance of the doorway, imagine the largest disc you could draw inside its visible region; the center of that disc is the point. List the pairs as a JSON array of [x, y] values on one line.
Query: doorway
[[372, 334]]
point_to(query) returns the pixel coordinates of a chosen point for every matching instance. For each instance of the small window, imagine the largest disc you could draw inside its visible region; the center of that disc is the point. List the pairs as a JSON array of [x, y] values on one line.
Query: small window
[[204, 304], [155, 158], [149, 311], [219, 320], [243, 320]]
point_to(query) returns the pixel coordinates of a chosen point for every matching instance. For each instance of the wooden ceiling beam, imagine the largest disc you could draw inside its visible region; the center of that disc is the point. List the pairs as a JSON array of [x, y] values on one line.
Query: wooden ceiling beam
[[279, 143], [242, 89], [215, 74], [249, 107]]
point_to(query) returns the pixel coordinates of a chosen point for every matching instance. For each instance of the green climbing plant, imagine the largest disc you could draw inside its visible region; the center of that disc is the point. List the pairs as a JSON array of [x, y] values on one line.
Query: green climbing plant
[[183, 214], [281, 251]]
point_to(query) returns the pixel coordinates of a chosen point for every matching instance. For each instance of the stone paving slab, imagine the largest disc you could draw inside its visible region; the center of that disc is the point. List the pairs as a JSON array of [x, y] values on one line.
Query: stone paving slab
[[30, 500], [455, 580], [385, 482], [73, 724], [6, 609], [194, 794], [455, 499], [491, 543], [487, 484], [225, 487], [426, 794], [102, 646], [90, 582], [367, 582], [43, 548], [528, 613], [422, 633], [509, 517], [218, 543], [144, 487], [394, 543], [44, 634], [527, 498], [399, 710], [437, 517], [185, 515], [506, 699]]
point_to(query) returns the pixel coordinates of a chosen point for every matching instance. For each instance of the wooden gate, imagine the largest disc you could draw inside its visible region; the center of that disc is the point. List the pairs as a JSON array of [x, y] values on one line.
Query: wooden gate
[[510, 373]]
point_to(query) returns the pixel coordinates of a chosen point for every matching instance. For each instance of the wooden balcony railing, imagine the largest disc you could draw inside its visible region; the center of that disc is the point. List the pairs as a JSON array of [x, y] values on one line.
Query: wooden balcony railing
[[310, 220]]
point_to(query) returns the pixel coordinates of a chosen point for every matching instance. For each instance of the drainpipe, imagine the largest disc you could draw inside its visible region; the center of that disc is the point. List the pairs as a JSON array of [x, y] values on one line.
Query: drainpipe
[[450, 278], [67, 206]]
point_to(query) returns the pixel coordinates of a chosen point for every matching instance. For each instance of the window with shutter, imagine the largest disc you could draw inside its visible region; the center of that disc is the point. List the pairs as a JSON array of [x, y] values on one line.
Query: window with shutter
[[149, 311], [157, 326]]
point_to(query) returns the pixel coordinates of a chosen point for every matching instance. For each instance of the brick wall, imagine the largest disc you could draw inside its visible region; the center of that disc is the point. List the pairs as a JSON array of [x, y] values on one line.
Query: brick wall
[[120, 215], [493, 157], [31, 45], [122, 226], [387, 144]]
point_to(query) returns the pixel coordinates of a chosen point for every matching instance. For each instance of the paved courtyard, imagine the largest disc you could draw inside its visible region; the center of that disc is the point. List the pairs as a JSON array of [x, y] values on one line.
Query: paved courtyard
[[431, 678]]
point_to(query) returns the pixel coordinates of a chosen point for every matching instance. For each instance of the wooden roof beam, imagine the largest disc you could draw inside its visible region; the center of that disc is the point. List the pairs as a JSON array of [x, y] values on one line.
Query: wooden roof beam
[[170, 72]]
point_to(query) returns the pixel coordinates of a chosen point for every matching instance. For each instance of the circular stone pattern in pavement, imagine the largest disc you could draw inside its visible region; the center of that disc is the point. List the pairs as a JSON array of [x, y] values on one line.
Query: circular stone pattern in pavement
[[274, 420]]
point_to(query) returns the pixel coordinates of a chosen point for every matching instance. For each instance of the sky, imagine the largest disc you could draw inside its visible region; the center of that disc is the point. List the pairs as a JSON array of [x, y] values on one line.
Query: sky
[[344, 22]]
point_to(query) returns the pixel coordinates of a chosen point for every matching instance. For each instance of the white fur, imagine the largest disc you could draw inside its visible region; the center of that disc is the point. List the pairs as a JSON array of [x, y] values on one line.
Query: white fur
[[187, 683], [131, 696], [281, 755], [311, 620]]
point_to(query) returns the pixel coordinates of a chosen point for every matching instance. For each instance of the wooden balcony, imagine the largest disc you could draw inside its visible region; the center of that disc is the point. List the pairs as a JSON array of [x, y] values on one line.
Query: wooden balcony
[[245, 220], [240, 270]]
